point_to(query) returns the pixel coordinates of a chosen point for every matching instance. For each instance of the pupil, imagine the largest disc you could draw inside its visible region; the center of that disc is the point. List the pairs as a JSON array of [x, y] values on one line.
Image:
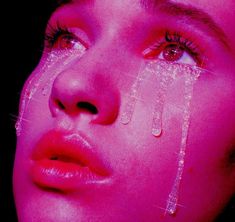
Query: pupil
[[173, 52], [66, 42]]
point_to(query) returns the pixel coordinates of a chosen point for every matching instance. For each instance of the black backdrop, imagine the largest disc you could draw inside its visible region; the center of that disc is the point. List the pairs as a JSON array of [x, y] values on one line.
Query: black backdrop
[[22, 27]]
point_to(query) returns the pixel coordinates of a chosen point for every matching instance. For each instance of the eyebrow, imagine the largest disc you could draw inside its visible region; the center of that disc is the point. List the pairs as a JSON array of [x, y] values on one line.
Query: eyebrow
[[180, 10], [189, 12]]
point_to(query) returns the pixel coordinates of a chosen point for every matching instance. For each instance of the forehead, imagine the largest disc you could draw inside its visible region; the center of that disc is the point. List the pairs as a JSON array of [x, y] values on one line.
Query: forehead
[[216, 14], [211, 7], [226, 4]]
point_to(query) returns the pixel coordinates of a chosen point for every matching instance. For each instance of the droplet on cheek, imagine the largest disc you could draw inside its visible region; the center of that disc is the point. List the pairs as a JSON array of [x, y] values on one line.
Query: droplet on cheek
[[18, 127], [165, 75]]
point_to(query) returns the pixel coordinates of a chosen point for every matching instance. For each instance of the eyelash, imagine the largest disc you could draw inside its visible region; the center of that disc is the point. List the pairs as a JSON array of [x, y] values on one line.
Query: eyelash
[[176, 38], [187, 44], [53, 34]]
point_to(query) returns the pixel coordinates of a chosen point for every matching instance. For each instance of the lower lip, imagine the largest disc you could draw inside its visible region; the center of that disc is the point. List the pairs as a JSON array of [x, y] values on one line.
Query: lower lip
[[63, 176]]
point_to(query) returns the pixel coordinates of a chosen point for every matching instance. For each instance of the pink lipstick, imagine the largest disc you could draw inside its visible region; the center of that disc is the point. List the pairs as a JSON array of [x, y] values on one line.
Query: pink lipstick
[[67, 162]]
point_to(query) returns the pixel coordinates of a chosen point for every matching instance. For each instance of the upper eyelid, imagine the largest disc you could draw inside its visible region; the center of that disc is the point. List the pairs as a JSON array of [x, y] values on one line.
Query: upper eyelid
[[170, 37], [81, 35], [67, 16], [75, 31], [174, 37], [188, 43]]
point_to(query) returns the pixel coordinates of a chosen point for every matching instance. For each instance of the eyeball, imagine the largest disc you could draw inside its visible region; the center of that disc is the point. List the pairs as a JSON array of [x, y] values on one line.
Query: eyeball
[[176, 53]]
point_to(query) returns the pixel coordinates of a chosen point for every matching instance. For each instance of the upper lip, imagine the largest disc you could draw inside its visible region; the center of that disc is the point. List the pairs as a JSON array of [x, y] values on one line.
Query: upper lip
[[70, 147]]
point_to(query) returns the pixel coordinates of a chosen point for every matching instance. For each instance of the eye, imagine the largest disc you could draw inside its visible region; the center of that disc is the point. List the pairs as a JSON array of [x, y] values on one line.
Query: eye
[[60, 38], [67, 41], [176, 53], [174, 48]]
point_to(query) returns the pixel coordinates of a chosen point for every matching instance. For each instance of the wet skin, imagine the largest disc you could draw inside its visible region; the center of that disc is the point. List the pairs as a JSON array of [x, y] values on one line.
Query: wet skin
[[76, 161]]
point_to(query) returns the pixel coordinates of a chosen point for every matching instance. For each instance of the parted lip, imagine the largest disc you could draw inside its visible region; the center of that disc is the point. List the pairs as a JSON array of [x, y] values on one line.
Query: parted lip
[[67, 160]]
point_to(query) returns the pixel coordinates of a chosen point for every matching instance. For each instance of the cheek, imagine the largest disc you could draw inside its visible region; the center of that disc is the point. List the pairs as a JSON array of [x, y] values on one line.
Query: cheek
[[214, 105], [213, 120], [152, 87], [159, 77], [188, 118]]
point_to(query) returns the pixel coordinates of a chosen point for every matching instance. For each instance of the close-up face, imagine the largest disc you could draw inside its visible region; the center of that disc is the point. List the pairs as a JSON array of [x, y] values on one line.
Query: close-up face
[[129, 115]]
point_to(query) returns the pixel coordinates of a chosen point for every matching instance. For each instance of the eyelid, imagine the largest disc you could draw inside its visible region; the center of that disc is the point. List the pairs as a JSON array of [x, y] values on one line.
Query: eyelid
[[55, 30], [175, 37], [81, 35]]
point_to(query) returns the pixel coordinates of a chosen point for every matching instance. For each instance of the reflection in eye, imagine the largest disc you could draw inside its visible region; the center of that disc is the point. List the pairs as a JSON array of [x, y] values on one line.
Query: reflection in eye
[[176, 53], [174, 48], [63, 38], [66, 41]]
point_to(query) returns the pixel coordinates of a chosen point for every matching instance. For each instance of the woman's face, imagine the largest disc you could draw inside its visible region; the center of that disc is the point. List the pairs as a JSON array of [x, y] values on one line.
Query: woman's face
[[129, 115]]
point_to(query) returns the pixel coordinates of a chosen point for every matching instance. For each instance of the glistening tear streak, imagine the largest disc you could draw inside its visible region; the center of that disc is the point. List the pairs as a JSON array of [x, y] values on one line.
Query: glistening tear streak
[[165, 73], [55, 62]]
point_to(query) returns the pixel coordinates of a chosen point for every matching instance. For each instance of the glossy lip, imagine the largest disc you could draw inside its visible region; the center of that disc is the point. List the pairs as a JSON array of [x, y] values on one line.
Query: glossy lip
[[66, 162]]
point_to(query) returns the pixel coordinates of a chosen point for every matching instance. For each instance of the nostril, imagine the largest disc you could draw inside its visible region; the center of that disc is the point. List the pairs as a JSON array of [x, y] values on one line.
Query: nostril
[[87, 106], [60, 105]]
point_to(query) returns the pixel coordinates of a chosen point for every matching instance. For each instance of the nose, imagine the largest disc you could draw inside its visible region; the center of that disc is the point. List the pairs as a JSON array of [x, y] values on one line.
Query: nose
[[91, 94]]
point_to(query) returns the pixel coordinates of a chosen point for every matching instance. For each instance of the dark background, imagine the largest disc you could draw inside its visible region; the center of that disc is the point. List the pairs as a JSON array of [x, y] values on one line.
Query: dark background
[[23, 25]]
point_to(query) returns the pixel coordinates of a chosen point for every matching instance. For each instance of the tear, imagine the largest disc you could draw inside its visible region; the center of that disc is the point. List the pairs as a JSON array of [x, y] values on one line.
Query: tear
[[55, 62], [134, 94], [191, 75]]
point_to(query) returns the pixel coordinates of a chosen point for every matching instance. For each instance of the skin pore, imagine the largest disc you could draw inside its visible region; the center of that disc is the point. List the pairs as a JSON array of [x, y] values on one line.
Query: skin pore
[[77, 160]]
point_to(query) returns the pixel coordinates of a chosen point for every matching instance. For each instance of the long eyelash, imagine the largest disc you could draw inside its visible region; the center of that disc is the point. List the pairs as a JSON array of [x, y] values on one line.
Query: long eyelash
[[53, 33], [187, 44]]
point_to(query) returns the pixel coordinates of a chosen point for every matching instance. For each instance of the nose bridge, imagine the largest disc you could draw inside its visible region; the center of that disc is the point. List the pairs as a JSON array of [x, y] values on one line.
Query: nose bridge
[[86, 87]]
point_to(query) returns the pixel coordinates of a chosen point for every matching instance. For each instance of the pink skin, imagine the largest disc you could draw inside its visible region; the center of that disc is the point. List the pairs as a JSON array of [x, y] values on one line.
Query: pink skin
[[141, 167]]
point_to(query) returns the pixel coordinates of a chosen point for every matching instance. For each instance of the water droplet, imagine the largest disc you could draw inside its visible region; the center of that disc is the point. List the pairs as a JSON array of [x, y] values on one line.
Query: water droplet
[[171, 206], [18, 128], [164, 77], [45, 90]]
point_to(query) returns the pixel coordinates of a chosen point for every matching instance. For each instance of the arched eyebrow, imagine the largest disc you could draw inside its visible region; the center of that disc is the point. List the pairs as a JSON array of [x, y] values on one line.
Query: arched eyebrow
[[187, 13]]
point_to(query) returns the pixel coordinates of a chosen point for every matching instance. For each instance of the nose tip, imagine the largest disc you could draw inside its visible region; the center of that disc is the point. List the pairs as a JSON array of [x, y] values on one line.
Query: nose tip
[[73, 97]]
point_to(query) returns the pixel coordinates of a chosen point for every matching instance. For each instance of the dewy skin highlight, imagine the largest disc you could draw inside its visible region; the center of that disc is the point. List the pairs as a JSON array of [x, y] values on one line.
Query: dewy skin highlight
[[164, 74]]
